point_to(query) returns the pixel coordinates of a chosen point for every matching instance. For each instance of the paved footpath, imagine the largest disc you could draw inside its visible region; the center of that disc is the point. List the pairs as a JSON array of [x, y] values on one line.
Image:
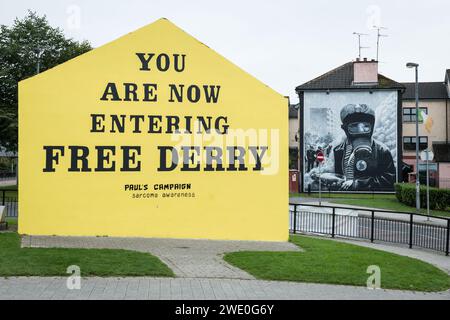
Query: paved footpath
[[193, 289], [9, 182], [187, 258], [200, 270]]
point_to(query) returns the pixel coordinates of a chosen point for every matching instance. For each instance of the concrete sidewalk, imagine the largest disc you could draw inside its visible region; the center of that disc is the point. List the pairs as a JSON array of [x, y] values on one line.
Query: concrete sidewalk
[[194, 288], [186, 257], [8, 182], [201, 273]]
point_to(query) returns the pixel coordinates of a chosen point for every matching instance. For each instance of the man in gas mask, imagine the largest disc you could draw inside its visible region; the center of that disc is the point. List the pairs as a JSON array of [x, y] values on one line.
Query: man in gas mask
[[366, 163]]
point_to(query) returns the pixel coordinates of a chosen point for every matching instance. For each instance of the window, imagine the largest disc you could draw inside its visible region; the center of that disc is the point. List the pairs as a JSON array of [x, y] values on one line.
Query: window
[[293, 158], [409, 114], [409, 143]]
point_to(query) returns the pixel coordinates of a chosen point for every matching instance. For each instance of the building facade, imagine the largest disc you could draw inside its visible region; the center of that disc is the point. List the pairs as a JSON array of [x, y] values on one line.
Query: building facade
[[151, 135], [434, 130], [351, 115], [434, 120], [294, 136]]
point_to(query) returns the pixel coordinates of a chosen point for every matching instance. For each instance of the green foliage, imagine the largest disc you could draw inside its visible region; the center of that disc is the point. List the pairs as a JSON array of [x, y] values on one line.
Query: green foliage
[[20, 47], [406, 193], [293, 161], [327, 261], [17, 261]]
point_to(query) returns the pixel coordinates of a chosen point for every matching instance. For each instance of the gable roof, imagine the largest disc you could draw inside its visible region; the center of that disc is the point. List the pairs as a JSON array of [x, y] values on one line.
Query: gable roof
[[158, 28], [427, 90], [342, 78]]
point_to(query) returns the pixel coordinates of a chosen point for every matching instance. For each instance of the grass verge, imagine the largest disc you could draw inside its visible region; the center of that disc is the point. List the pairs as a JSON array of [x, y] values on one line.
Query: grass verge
[[327, 261], [388, 204], [11, 194], [16, 261], [344, 195]]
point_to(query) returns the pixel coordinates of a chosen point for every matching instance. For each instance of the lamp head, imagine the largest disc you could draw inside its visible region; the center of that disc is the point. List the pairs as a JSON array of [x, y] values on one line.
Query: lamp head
[[412, 65]]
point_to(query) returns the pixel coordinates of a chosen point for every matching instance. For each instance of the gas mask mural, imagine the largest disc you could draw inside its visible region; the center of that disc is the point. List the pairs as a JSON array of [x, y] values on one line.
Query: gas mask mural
[[360, 152]]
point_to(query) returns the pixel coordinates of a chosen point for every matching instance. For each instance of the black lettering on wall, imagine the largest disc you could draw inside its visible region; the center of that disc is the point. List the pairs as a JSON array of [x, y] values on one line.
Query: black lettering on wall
[[163, 62], [193, 93], [189, 155], [258, 157], [130, 162], [178, 91], [130, 90], [52, 154], [116, 123], [217, 157], [145, 60], [179, 66], [204, 126], [211, 93], [188, 123], [163, 158], [103, 157], [97, 125], [76, 157], [173, 122], [150, 92], [221, 129], [154, 124], [111, 90], [233, 157], [137, 122]]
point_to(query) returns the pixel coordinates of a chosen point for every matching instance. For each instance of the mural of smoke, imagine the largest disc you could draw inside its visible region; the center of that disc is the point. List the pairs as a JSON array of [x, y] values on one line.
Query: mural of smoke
[[386, 124]]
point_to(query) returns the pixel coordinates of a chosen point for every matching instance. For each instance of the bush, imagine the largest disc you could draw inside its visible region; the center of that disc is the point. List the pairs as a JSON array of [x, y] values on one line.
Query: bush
[[406, 193]]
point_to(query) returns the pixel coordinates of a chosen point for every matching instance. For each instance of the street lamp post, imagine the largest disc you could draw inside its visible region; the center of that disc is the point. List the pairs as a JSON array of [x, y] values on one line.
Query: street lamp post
[[416, 66], [39, 53]]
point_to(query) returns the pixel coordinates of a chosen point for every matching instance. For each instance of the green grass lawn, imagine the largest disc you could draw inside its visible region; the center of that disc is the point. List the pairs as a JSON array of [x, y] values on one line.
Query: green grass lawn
[[8, 193], [327, 261], [380, 201], [388, 204], [16, 261], [344, 195], [12, 221]]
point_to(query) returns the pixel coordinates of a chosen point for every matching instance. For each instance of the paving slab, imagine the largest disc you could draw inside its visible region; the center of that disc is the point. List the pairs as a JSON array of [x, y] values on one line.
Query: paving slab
[[186, 257], [93, 288]]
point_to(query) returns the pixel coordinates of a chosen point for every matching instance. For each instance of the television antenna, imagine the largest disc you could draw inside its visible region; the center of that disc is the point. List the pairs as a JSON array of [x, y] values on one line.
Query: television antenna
[[359, 42], [379, 35]]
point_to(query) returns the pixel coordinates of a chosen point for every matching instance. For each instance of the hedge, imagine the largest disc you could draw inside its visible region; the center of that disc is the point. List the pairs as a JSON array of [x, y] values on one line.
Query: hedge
[[406, 193]]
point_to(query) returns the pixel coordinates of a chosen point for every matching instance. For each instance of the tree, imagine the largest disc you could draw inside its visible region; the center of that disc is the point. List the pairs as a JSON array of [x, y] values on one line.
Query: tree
[[28, 45]]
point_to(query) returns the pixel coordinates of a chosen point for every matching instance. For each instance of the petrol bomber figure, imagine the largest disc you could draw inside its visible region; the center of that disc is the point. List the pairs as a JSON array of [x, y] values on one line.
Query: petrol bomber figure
[[310, 158], [365, 163]]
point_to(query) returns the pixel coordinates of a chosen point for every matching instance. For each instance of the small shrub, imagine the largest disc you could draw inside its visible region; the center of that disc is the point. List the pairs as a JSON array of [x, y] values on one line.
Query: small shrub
[[406, 193]]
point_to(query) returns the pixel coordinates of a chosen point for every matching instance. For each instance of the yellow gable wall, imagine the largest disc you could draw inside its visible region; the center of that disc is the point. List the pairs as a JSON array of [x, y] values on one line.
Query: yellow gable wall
[[55, 109]]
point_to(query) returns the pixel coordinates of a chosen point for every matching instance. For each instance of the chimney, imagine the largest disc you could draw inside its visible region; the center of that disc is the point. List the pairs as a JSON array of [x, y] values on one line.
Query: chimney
[[365, 72]]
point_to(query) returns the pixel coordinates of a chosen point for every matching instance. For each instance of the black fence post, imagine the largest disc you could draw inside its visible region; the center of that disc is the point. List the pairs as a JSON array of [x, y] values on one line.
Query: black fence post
[[372, 224], [333, 222], [448, 237], [410, 230], [294, 227]]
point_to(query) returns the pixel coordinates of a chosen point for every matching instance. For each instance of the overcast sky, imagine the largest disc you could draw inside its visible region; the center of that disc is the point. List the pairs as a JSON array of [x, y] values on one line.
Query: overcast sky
[[283, 43]]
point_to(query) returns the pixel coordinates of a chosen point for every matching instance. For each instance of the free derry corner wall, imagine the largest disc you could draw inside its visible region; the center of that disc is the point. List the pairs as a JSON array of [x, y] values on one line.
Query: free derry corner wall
[[152, 135]]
